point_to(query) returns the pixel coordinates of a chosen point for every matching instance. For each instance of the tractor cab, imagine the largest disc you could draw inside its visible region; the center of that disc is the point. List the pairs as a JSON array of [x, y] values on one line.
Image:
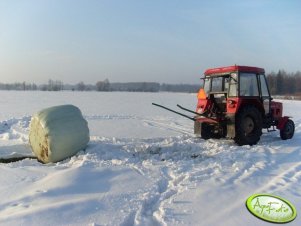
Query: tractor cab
[[228, 87]]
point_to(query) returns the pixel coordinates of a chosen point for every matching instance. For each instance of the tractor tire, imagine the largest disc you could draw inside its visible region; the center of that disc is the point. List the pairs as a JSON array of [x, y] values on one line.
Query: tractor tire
[[206, 131], [288, 130], [248, 126]]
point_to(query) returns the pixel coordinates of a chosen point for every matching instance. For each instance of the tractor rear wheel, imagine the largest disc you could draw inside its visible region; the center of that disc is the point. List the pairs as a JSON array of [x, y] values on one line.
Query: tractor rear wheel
[[288, 130], [248, 126]]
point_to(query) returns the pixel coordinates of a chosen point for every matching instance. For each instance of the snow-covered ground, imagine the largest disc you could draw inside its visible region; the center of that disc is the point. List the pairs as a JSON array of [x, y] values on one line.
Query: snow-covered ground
[[143, 166]]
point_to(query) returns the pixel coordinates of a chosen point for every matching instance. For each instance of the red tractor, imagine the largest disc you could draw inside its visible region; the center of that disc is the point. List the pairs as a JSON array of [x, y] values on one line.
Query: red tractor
[[235, 102]]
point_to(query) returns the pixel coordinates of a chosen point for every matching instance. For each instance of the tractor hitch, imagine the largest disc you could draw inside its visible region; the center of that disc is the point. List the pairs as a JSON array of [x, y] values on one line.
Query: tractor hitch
[[185, 109], [198, 117], [176, 112]]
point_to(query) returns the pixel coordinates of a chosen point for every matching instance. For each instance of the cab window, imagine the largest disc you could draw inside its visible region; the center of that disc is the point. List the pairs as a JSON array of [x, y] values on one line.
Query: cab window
[[207, 85], [248, 84], [264, 87], [233, 85], [217, 84]]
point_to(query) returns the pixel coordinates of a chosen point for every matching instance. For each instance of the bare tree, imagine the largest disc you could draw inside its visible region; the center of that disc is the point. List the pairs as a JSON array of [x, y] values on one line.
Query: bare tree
[[81, 86], [103, 85]]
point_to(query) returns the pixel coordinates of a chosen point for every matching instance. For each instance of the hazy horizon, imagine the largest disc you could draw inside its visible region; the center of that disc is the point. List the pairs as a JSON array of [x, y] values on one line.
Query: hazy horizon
[[144, 41]]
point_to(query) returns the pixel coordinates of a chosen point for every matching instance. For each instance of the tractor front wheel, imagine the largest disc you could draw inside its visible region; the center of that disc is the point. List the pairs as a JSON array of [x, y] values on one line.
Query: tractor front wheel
[[248, 126], [288, 130]]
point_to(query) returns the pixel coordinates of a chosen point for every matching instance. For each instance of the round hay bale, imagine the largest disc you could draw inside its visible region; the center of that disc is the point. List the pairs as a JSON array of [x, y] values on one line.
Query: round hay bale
[[57, 133]]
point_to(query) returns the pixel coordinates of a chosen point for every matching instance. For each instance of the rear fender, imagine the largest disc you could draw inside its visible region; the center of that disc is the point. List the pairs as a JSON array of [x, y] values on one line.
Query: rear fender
[[282, 121], [276, 110], [233, 104]]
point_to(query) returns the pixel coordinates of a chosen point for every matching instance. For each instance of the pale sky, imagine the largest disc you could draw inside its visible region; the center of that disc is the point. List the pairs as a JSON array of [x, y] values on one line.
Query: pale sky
[[166, 41]]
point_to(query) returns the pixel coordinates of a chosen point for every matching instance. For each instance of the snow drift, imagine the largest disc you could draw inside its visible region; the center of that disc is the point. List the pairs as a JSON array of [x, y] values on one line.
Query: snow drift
[[57, 133]]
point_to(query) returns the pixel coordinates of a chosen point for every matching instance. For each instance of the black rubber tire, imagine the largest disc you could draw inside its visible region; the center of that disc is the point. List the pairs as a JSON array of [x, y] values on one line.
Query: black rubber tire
[[288, 130], [206, 131], [248, 126]]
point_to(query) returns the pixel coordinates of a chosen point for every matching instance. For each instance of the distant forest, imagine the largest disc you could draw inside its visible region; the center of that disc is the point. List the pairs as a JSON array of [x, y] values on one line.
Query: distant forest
[[281, 83], [103, 86]]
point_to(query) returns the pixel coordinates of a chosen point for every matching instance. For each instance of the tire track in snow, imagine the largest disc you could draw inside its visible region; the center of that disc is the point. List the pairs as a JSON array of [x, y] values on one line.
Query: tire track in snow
[[152, 210], [187, 162], [153, 159], [284, 180], [110, 117], [170, 126], [195, 161], [275, 158], [173, 126], [280, 183]]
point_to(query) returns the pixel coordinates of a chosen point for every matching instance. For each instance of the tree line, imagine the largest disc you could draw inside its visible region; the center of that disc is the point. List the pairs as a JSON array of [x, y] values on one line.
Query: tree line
[[280, 83], [103, 86], [283, 83]]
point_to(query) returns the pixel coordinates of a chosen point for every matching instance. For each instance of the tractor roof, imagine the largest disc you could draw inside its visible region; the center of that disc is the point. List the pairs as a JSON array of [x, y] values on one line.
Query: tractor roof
[[235, 68]]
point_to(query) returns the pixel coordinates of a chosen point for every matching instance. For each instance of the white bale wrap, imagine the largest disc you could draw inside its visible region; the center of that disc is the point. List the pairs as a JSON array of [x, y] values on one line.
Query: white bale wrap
[[57, 133]]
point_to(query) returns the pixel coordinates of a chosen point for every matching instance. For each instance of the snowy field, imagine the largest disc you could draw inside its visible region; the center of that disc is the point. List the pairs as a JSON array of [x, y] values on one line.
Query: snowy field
[[143, 166]]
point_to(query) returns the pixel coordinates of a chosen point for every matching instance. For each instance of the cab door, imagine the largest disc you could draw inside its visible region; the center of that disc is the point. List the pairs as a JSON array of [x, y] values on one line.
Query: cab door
[[265, 94]]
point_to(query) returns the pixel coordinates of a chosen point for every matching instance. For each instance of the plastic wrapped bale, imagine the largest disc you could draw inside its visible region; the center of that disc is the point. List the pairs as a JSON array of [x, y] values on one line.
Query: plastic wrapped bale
[[57, 133]]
